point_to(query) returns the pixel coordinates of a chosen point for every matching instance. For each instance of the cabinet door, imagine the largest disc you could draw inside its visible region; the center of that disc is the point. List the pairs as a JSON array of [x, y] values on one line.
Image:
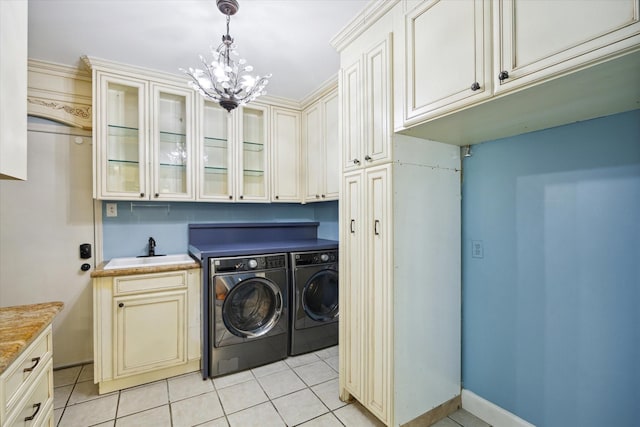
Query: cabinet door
[[313, 152], [156, 321], [351, 83], [446, 68], [377, 103], [252, 154], [378, 293], [352, 287], [172, 143], [331, 155], [216, 169], [536, 40], [121, 140], [285, 160]]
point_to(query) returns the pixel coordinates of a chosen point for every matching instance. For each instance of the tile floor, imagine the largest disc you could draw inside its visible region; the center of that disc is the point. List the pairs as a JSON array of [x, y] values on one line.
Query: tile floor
[[298, 391]]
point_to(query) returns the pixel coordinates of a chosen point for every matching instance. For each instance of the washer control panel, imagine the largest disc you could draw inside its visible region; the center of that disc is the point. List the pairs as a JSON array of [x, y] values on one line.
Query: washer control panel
[[315, 258], [248, 263]]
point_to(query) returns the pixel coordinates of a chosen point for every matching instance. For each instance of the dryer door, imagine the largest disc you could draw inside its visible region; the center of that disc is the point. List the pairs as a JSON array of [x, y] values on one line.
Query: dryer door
[[320, 296], [252, 307]]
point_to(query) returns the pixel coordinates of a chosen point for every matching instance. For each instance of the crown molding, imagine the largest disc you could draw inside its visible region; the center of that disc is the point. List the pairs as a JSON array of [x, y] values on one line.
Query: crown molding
[[330, 85], [370, 14]]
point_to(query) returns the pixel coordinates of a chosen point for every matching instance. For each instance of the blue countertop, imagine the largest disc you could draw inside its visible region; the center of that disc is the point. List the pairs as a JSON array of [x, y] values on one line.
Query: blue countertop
[[212, 250]]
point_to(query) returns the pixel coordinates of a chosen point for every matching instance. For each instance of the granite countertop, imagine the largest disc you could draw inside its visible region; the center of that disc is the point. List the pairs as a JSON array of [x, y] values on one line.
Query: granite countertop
[[101, 272], [20, 325]]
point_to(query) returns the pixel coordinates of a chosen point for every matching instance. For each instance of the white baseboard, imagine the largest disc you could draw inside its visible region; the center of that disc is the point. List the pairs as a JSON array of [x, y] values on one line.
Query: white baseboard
[[489, 412]]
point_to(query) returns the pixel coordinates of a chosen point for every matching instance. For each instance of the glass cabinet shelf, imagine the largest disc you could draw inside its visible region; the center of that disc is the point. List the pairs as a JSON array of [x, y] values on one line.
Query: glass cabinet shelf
[[211, 142], [252, 172], [215, 170], [117, 161], [172, 165], [253, 146], [172, 138]]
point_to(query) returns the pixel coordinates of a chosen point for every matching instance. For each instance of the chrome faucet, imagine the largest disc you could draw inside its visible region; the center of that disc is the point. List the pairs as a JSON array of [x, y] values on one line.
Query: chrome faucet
[[152, 247]]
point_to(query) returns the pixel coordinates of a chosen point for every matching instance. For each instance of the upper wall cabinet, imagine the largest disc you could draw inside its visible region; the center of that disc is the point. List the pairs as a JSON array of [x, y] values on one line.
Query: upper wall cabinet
[[535, 40], [365, 77], [143, 139], [446, 69], [252, 161], [285, 155], [215, 153], [321, 149], [13, 89]]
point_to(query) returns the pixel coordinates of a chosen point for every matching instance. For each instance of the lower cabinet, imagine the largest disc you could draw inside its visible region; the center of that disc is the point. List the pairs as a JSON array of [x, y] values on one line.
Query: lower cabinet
[[146, 327], [26, 387], [400, 283]]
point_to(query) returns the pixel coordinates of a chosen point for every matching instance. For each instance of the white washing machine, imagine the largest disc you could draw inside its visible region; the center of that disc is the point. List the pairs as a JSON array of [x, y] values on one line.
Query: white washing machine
[[249, 312], [314, 301]]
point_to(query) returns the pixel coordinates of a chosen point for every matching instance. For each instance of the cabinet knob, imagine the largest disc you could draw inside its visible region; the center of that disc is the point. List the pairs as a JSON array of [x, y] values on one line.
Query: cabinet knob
[[356, 161], [241, 197], [230, 196], [504, 75], [121, 304], [317, 196], [156, 195], [368, 158], [475, 86], [323, 196], [141, 194], [277, 197]]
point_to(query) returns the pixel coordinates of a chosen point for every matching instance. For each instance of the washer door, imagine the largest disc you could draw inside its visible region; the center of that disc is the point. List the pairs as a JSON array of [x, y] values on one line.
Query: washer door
[[320, 296], [252, 307]]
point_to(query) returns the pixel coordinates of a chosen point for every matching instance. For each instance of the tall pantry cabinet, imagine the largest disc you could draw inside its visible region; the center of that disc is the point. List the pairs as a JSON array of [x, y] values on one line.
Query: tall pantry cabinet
[[399, 242]]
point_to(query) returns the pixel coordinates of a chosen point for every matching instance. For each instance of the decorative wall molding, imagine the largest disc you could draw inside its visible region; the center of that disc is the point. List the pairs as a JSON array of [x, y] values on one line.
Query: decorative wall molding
[[60, 93], [490, 412]]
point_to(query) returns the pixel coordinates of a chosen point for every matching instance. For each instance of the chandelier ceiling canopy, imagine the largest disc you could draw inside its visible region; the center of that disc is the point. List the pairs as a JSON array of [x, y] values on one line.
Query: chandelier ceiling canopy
[[225, 77]]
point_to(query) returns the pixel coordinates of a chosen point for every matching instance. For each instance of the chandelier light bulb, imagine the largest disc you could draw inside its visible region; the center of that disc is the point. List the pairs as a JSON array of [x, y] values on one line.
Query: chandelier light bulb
[[223, 79]]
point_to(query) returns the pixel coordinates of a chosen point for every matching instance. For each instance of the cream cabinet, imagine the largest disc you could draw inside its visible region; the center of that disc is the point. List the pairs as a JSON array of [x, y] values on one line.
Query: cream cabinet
[[321, 149], [366, 84], [146, 327], [13, 89], [233, 153], [26, 387], [538, 40], [446, 68], [400, 288], [143, 135], [285, 155]]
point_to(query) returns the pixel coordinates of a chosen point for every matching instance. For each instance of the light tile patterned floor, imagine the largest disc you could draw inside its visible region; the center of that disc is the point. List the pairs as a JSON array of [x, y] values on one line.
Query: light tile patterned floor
[[299, 391]]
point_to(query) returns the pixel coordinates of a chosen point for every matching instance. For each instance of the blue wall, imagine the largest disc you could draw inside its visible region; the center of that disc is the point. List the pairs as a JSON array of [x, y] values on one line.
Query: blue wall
[[128, 233], [551, 312]]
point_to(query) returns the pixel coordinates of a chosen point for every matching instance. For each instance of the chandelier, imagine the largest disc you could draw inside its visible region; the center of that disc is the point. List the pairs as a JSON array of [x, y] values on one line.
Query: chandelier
[[223, 79]]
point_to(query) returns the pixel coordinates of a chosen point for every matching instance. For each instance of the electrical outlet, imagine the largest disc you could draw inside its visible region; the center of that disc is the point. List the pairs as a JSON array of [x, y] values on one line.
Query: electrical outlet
[[112, 209], [477, 249]]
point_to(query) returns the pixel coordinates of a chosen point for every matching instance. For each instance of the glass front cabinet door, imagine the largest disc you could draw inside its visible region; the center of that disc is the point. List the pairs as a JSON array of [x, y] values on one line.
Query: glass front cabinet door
[[215, 153], [171, 147], [252, 154], [121, 149]]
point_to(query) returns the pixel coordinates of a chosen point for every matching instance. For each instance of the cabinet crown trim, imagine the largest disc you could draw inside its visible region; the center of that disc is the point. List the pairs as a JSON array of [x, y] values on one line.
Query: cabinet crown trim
[[369, 15]]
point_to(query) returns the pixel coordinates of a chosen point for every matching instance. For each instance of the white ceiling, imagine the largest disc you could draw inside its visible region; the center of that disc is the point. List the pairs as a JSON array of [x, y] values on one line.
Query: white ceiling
[[288, 38]]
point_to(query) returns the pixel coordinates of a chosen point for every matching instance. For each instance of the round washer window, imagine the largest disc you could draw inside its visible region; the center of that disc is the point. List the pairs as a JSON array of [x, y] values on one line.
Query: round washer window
[[320, 296], [252, 308]]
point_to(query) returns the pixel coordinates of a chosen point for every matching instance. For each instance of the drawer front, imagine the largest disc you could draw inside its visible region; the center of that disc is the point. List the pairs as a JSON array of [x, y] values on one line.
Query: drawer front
[[26, 368], [149, 282], [35, 408]]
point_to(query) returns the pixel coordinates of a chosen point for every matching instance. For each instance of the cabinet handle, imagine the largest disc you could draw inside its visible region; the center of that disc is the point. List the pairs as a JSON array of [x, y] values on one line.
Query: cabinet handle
[[376, 223], [368, 158], [121, 304], [351, 226], [356, 161], [35, 361], [36, 406], [141, 194], [475, 86], [156, 195], [504, 75]]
